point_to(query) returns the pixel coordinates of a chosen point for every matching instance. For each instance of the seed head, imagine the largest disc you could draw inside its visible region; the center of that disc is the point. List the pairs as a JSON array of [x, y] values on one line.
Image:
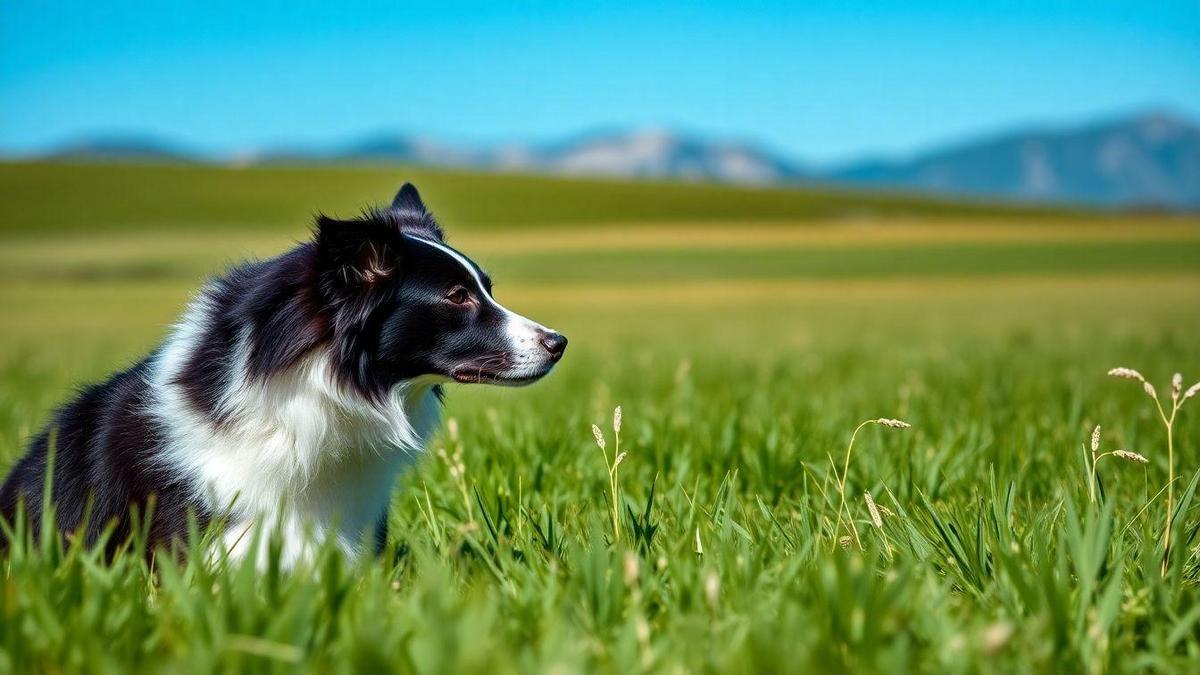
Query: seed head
[[845, 542], [642, 629], [1096, 438], [618, 460], [1130, 456], [1192, 391], [598, 435], [632, 568], [875, 519], [1150, 390], [452, 429], [895, 424], [1176, 385], [1127, 373], [617, 420], [995, 636], [712, 589]]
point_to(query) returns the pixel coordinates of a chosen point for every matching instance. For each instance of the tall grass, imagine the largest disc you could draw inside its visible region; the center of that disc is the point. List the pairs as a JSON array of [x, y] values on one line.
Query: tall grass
[[991, 559]]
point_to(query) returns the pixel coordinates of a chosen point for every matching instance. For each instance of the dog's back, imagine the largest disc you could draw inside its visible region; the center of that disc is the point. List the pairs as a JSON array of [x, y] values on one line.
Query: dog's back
[[101, 442]]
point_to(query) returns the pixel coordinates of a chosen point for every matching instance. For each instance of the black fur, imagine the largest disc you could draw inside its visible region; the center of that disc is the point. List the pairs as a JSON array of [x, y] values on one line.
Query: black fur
[[101, 443]]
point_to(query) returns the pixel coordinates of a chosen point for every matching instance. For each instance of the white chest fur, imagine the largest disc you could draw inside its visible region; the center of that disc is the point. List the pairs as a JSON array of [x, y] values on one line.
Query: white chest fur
[[296, 452]]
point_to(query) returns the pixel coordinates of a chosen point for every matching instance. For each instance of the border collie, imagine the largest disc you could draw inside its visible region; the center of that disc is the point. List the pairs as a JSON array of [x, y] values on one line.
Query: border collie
[[289, 395]]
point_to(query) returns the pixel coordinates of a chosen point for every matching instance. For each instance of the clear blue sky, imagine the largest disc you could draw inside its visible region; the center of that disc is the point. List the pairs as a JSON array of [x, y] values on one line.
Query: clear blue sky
[[823, 81]]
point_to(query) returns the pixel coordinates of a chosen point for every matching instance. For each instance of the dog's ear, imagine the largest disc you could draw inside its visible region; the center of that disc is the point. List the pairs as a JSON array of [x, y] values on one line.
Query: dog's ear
[[410, 216], [408, 199], [355, 254]]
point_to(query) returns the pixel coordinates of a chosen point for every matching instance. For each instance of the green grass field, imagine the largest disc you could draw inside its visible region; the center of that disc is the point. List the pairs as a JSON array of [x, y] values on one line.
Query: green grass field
[[745, 333]]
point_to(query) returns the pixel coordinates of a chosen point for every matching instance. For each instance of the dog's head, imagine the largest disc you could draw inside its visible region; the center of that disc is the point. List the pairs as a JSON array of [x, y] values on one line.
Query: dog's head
[[405, 304]]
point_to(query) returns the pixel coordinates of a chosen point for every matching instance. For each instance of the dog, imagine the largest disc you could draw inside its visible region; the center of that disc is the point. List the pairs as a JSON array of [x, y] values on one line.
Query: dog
[[289, 396]]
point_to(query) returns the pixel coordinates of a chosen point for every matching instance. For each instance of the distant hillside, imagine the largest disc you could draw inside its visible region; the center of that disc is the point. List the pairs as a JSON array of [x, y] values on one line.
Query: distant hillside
[[40, 198], [121, 147], [1152, 159]]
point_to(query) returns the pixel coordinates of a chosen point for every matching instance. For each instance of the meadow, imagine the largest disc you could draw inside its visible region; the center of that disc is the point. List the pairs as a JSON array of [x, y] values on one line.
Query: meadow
[[745, 334]]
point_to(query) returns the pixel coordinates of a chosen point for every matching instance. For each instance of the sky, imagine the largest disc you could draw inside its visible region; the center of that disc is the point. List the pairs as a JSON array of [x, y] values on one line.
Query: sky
[[821, 81]]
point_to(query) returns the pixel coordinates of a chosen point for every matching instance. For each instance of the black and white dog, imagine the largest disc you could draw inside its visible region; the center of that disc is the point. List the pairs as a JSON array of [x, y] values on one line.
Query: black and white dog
[[291, 392]]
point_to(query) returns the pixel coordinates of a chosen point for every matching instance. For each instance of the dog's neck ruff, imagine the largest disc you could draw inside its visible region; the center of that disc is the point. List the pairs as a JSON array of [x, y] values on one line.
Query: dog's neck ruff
[[295, 449]]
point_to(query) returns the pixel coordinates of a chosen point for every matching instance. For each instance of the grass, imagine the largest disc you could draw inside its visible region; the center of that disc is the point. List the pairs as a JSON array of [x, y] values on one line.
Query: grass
[[744, 347], [134, 198]]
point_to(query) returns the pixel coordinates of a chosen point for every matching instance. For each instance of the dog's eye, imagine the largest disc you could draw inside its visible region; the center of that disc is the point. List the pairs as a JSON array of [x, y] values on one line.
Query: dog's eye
[[458, 295]]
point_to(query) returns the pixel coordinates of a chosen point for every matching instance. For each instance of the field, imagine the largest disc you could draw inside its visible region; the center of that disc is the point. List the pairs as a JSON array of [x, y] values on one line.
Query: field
[[745, 333]]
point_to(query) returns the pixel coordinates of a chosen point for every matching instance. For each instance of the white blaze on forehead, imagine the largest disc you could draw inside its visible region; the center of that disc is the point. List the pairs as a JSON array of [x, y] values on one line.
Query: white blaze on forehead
[[520, 330], [462, 260]]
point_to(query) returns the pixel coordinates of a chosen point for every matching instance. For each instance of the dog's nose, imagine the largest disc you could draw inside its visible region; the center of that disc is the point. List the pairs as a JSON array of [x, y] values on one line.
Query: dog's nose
[[555, 343]]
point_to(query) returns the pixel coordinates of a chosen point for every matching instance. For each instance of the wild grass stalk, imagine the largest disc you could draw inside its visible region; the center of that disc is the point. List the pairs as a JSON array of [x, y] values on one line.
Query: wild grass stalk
[[875, 512], [1178, 397], [612, 464], [1094, 446], [453, 459], [882, 421]]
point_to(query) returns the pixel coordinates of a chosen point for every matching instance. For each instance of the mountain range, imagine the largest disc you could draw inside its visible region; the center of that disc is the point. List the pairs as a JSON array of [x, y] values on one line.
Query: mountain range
[[1150, 159]]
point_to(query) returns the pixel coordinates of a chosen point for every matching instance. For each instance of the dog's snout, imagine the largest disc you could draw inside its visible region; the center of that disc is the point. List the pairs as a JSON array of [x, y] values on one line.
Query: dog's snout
[[555, 343]]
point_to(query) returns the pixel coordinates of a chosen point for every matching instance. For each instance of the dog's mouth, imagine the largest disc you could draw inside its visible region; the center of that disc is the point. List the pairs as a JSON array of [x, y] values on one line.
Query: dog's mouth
[[469, 373]]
